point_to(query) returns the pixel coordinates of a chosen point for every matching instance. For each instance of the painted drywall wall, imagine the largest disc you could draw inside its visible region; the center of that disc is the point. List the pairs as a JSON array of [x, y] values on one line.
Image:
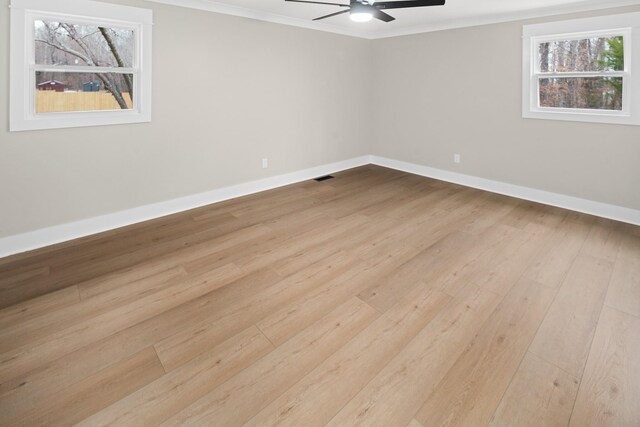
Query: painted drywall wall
[[227, 92], [459, 92]]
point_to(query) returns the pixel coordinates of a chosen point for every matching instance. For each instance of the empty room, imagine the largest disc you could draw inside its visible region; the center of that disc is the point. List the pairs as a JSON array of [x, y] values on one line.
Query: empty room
[[408, 213]]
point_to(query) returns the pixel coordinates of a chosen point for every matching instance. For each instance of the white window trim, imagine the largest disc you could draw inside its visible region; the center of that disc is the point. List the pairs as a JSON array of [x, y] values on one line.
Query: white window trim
[[627, 25], [22, 114]]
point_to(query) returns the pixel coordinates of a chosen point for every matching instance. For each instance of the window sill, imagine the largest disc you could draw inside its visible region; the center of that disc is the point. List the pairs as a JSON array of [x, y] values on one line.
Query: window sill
[[84, 119], [617, 118]]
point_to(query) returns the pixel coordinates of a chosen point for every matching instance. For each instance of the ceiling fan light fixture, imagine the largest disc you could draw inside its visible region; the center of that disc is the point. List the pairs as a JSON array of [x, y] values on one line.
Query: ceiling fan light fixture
[[361, 16]]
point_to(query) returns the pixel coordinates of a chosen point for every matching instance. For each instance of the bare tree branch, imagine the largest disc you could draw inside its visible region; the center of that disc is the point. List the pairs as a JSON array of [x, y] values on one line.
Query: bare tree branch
[[111, 86], [67, 50], [117, 57], [73, 34]]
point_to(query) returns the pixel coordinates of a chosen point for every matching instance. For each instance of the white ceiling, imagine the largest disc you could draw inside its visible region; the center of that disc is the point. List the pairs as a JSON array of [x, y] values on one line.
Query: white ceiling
[[455, 14]]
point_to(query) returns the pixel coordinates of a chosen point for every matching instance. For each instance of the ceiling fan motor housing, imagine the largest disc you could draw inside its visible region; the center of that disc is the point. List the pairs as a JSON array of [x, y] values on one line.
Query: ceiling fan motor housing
[[357, 7]]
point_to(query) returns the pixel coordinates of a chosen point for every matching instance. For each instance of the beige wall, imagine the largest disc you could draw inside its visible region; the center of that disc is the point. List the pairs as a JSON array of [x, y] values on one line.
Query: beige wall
[[459, 91], [228, 92]]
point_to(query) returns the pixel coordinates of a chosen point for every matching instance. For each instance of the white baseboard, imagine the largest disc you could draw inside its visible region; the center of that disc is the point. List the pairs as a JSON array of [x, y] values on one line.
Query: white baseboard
[[577, 204], [61, 233]]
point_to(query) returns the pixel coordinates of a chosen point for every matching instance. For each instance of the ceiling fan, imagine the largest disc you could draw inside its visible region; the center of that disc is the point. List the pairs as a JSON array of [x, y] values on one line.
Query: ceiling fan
[[365, 10]]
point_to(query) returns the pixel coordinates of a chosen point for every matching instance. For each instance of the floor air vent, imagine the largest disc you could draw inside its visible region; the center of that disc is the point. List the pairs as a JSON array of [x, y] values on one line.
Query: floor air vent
[[323, 178]]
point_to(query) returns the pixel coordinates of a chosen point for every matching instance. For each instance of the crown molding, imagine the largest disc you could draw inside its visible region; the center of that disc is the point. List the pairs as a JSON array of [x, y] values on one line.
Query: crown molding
[[228, 9], [510, 17]]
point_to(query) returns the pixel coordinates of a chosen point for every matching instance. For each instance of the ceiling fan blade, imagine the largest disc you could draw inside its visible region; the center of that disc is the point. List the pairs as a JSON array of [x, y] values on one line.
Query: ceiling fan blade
[[332, 14], [319, 2], [378, 14], [402, 4]]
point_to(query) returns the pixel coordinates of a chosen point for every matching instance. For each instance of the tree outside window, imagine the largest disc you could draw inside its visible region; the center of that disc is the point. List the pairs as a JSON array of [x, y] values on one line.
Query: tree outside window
[[59, 44]]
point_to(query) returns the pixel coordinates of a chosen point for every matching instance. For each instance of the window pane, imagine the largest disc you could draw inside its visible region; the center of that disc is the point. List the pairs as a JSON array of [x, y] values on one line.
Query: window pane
[[64, 92], [594, 93], [594, 54], [58, 43]]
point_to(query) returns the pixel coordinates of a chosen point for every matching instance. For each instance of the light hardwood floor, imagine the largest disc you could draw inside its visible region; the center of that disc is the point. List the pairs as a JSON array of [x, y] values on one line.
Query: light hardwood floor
[[374, 298]]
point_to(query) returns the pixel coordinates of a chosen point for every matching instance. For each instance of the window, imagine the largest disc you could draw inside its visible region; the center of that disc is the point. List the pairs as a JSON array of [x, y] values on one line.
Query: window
[[78, 63], [583, 70]]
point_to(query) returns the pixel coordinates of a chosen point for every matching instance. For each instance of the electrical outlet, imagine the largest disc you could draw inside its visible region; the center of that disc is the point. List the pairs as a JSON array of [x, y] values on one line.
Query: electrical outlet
[[265, 163], [456, 158]]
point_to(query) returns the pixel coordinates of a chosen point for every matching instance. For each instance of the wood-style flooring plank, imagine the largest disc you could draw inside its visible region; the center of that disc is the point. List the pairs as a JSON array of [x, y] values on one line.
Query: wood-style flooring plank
[[609, 393], [555, 260], [11, 278], [29, 331], [93, 393], [471, 390], [394, 395], [624, 289], [238, 399], [74, 271], [164, 397], [307, 255], [467, 264], [25, 311], [112, 280], [565, 335], [540, 395], [198, 336], [604, 239], [14, 361], [500, 266], [317, 397], [16, 390], [293, 317], [527, 212], [387, 290]]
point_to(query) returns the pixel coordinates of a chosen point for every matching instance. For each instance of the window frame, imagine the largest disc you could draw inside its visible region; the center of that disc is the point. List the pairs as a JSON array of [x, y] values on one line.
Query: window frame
[[626, 25], [23, 69]]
